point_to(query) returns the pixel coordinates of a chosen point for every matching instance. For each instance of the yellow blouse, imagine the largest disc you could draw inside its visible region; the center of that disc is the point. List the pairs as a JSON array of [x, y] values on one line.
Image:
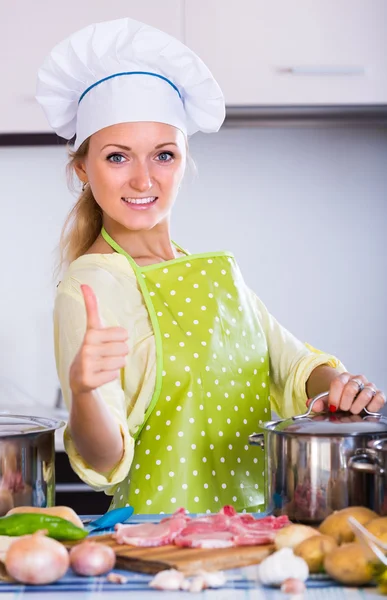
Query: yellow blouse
[[121, 304]]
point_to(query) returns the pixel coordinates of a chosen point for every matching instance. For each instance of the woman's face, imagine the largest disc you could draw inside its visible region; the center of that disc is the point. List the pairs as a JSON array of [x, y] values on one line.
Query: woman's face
[[134, 170]]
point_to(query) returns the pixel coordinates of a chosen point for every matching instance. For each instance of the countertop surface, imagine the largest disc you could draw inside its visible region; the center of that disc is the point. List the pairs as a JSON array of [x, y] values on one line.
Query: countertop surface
[[241, 583]]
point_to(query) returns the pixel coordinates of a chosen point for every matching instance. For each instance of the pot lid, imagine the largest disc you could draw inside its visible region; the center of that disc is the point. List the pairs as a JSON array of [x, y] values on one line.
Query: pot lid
[[330, 424], [339, 424], [14, 425]]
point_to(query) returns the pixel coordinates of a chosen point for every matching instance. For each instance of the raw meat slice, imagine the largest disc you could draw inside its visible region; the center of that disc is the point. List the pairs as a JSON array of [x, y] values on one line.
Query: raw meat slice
[[218, 522], [227, 528], [281, 521], [180, 513], [224, 529], [254, 532], [268, 523], [149, 534], [240, 525], [246, 518], [207, 524], [256, 538], [229, 511], [212, 539]]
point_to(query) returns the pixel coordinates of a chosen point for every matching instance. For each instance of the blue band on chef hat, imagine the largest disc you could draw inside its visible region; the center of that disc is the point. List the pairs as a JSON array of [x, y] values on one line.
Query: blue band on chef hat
[[128, 73]]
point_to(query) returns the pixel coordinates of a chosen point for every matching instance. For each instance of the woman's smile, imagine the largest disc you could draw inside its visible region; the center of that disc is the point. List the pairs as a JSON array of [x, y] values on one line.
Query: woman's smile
[[140, 203]]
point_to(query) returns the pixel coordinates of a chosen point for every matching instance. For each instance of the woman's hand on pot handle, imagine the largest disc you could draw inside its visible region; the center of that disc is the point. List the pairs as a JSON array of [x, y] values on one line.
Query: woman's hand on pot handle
[[102, 353], [351, 393]]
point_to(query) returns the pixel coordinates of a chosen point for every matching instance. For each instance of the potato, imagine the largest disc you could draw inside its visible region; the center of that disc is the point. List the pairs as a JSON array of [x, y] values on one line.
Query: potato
[[64, 512], [292, 535], [349, 564], [378, 527], [314, 549], [337, 526]]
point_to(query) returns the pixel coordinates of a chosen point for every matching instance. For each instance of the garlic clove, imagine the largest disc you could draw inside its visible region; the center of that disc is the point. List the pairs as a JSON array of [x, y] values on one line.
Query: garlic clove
[[282, 565]]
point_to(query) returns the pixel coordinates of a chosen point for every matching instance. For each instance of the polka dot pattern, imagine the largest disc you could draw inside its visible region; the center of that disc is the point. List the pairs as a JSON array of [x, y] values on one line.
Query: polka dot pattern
[[214, 391]]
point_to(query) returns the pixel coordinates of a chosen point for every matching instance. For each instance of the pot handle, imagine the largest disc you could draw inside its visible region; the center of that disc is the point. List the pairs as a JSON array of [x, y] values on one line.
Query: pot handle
[[257, 439], [372, 464], [375, 445], [325, 395]]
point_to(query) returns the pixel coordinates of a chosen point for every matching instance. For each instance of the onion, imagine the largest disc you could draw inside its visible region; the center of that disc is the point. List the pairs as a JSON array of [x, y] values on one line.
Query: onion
[[36, 559], [92, 558]]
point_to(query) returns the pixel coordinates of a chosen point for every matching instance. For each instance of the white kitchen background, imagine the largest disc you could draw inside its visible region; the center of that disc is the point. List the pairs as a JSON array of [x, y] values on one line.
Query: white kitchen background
[[303, 207]]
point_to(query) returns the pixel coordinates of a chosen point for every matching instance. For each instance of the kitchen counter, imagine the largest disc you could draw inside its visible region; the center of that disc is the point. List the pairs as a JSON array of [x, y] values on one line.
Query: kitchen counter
[[243, 584]]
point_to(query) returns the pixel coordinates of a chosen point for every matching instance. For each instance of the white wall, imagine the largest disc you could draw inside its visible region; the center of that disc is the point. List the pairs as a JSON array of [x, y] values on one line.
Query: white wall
[[303, 209]]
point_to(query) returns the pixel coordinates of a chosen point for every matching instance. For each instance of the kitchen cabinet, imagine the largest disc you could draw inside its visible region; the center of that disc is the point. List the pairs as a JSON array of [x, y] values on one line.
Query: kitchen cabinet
[[29, 30], [72, 491], [293, 53]]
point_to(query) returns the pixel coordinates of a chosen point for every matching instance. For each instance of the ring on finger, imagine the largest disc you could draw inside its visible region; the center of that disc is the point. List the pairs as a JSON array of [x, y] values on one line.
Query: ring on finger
[[359, 383], [369, 387]]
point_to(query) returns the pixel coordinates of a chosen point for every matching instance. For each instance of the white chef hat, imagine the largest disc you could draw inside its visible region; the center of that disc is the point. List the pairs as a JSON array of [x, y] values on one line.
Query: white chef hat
[[124, 71]]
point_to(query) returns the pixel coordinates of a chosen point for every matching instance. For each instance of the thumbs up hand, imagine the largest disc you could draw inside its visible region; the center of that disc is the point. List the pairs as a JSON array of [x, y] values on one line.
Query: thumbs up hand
[[102, 353]]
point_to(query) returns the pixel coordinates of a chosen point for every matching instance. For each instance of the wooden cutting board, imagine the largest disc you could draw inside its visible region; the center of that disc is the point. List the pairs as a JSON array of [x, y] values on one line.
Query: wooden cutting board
[[187, 560]]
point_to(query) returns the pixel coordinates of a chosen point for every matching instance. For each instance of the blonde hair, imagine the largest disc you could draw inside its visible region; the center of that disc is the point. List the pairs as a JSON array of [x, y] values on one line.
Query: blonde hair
[[84, 222]]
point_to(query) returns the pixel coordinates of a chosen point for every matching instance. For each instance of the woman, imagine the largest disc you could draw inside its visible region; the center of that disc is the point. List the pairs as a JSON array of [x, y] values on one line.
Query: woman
[[170, 371]]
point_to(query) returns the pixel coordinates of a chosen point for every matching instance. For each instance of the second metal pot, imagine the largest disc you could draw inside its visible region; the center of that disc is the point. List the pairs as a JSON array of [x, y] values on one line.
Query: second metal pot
[[27, 461], [308, 474]]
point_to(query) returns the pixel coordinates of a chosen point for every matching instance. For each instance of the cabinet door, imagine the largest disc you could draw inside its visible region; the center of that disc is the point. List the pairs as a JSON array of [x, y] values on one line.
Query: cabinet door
[[29, 30], [293, 53]]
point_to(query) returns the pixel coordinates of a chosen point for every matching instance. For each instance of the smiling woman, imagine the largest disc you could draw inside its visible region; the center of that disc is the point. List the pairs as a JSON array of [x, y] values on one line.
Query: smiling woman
[[134, 186], [167, 360], [127, 183]]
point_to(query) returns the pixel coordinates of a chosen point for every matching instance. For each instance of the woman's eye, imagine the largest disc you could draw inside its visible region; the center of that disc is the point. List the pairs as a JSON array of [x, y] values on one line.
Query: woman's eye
[[116, 158], [165, 156]]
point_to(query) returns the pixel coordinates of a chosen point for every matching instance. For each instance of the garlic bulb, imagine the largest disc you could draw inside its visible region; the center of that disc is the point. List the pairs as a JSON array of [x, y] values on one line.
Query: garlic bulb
[[282, 565]]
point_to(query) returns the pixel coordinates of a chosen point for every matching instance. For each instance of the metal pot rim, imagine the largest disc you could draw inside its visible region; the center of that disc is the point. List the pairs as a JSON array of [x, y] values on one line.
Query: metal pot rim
[[46, 425], [326, 428], [337, 424]]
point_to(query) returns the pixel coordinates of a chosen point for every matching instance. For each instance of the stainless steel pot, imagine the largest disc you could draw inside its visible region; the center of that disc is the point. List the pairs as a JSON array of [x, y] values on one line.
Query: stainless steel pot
[[309, 470], [373, 460], [27, 461]]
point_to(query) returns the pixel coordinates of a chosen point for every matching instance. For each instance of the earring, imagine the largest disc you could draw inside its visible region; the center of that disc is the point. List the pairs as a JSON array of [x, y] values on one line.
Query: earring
[[84, 185]]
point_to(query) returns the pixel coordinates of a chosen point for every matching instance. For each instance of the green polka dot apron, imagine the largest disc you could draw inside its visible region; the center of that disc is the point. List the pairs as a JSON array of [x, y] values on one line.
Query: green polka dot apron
[[211, 391]]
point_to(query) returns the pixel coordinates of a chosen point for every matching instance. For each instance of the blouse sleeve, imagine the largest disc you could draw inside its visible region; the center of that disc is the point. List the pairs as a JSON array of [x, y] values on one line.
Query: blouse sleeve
[[69, 330], [291, 363]]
